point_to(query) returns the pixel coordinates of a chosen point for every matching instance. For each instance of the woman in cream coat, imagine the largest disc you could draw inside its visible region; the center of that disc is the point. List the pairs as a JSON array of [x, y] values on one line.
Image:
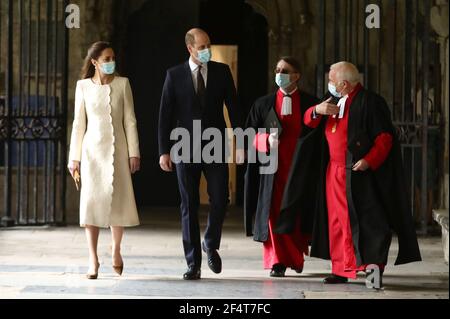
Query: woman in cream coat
[[104, 149]]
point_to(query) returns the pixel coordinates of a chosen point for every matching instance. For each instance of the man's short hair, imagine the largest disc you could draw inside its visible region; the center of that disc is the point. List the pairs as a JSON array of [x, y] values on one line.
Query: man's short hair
[[189, 39], [292, 62], [190, 35]]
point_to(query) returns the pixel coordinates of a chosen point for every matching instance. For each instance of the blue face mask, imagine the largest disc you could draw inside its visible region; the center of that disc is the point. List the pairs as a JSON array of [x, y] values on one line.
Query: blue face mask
[[333, 91], [204, 56], [108, 67], [283, 80]]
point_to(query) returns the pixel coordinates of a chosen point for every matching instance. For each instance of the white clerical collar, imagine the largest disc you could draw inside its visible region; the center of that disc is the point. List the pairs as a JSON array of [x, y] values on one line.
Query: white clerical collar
[[341, 104], [292, 92], [194, 65], [286, 106]]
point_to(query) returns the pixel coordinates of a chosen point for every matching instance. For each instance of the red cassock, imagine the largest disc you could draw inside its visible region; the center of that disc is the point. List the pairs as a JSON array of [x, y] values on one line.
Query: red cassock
[[286, 249], [340, 235]]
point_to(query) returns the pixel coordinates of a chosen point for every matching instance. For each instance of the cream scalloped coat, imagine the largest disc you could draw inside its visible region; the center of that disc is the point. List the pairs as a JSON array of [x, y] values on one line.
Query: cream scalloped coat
[[104, 136]]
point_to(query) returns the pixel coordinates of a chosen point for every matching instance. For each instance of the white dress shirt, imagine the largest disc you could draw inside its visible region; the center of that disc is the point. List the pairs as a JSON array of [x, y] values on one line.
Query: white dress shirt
[[194, 72]]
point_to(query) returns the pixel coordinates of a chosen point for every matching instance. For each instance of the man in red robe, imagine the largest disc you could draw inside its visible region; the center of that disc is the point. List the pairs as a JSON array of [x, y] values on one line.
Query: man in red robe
[[341, 244], [361, 196], [281, 251]]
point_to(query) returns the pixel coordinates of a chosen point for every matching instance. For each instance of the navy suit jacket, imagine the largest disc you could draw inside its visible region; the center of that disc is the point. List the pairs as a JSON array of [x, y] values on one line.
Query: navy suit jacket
[[180, 104]]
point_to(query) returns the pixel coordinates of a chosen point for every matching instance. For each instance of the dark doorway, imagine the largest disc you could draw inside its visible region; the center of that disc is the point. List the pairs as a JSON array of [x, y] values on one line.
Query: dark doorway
[[234, 22], [155, 42]]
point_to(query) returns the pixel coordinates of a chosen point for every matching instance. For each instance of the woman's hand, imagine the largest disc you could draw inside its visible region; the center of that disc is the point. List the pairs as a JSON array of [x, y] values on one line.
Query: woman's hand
[[135, 164], [73, 166]]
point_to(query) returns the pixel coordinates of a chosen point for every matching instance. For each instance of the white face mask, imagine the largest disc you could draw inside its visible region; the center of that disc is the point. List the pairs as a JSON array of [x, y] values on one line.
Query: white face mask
[[204, 56], [108, 67], [283, 80], [333, 90]]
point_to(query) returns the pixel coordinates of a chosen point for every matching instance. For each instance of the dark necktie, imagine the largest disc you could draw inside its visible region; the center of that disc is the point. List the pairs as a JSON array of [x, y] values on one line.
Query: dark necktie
[[201, 87]]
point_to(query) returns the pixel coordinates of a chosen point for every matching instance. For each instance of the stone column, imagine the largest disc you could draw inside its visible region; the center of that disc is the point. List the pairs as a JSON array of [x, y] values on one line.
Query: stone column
[[439, 23], [285, 27], [279, 15], [446, 104]]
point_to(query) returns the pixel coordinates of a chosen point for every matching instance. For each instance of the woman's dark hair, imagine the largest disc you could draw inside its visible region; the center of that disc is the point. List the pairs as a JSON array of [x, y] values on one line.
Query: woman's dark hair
[[292, 62], [94, 52]]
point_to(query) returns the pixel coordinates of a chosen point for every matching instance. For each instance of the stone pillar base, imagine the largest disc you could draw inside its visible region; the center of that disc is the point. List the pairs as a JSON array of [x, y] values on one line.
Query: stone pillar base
[[441, 217]]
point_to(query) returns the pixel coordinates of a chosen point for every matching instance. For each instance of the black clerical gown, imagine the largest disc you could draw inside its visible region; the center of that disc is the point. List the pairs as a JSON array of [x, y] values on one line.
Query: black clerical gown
[[377, 199]]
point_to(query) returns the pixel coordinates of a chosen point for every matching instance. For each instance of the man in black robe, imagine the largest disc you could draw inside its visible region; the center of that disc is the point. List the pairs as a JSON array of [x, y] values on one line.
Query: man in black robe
[[360, 196], [264, 192]]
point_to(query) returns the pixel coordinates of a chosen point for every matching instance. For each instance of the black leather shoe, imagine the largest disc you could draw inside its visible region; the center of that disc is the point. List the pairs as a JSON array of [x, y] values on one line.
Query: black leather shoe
[[214, 261], [192, 274], [298, 270], [335, 279], [278, 270]]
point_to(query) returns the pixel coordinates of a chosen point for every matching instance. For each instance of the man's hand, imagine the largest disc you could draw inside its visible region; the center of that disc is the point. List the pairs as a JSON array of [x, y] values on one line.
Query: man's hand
[[73, 166], [135, 164], [361, 166], [165, 163], [273, 140], [327, 108]]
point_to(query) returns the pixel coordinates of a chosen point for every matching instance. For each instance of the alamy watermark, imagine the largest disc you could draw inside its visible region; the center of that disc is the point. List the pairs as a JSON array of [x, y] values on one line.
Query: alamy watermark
[[73, 16], [211, 146], [372, 19], [373, 278]]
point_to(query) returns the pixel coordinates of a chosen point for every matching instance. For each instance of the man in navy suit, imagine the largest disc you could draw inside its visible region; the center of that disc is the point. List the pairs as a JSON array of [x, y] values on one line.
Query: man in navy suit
[[197, 90]]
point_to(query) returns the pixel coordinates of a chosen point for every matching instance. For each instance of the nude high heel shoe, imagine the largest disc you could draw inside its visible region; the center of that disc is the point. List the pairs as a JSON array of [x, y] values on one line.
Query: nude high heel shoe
[[117, 268], [94, 275]]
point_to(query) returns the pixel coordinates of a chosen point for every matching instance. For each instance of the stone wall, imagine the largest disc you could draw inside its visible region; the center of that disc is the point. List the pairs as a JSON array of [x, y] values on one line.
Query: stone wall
[[293, 30]]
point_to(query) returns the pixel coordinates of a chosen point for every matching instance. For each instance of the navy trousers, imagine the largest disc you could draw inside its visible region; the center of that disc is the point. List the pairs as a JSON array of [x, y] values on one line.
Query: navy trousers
[[188, 176]]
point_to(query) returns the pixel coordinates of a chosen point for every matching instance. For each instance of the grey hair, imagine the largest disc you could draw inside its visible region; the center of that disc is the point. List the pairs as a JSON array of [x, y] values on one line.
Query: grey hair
[[346, 71]]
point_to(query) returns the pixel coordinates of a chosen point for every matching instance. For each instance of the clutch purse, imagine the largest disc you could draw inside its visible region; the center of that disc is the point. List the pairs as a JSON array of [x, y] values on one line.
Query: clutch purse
[[77, 179]]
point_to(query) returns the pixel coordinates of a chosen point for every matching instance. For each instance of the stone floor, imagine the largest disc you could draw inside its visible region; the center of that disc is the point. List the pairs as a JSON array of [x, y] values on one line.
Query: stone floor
[[43, 262]]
